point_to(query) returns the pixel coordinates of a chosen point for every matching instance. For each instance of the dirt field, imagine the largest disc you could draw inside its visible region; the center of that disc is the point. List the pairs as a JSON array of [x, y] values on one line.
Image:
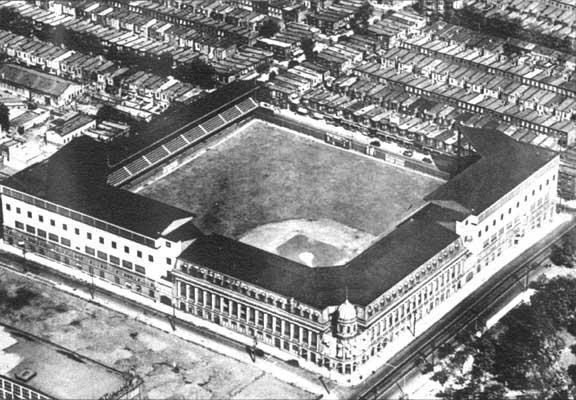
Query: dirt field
[[264, 174], [172, 368]]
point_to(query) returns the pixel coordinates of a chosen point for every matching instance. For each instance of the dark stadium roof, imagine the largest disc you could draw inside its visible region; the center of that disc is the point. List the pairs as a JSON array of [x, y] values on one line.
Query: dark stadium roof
[[75, 177], [367, 276], [504, 164]]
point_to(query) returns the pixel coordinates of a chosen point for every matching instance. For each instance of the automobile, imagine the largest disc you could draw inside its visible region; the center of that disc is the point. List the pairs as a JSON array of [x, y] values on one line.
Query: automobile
[[375, 143], [408, 153], [427, 160]]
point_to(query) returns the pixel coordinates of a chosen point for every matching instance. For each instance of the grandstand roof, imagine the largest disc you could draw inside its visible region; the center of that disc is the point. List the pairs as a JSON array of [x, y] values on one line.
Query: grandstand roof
[[504, 164], [75, 177], [367, 276]]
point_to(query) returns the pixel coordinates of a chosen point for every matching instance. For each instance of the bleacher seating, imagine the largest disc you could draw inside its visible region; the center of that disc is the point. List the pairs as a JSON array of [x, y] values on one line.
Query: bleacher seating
[[231, 114], [194, 134], [175, 144], [157, 154], [213, 123], [247, 105], [181, 142], [119, 176], [137, 165]]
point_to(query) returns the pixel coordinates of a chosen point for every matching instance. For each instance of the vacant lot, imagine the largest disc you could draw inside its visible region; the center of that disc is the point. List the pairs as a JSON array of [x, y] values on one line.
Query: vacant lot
[[265, 173], [172, 368]]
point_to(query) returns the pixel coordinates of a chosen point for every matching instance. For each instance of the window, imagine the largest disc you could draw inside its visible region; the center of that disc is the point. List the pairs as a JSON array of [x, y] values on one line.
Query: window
[[53, 237], [89, 250], [101, 240], [17, 210], [19, 225], [8, 207], [168, 261], [113, 245], [65, 227], [41, 233], [114, 260], [52, 222], [65, 242], [30, 229], [126, 264], [88, 236], [139, 254], [29, 214], [140, 270], [126, 249], [151, 258], [40, 218], [168, 244], [102, 255], [77, 231]]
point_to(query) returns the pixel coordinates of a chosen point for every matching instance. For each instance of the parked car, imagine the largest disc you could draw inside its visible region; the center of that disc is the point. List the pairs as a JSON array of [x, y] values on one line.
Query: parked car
[[375, 143], [408, 153], [427, 160]]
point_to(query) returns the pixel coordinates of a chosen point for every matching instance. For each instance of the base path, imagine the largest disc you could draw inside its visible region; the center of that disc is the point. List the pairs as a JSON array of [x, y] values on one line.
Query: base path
[[314, 243]]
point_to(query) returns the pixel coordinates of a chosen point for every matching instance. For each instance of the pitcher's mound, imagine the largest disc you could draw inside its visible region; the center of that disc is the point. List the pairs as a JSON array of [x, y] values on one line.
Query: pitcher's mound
[[315, 243]]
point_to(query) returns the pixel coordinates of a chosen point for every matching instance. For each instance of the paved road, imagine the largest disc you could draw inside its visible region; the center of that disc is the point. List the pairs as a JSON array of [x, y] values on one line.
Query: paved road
[[387, 382], [492, 295]]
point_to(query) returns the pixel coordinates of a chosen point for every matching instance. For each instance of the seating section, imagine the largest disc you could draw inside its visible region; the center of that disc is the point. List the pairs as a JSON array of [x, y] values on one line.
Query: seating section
[[181, 142], [137, 165], [157, 154], [175, 144], [213, 124]]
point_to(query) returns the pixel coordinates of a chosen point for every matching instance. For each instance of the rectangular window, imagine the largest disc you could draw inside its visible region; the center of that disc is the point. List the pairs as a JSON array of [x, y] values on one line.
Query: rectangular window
[[17, 210], [30, 229], [126, 264], [89, 250], [77, 231], [53, 237], [114, 260], [52, 222], [102, 255], [65, 227], [139, 254], [8, 207], [168, 261], [101, 240], [88, 235], [29, 214], [168, 244], [113, 245], [65, 242], [151, 258], [41, 233], [140, 270], [278, 326], [126, 250]]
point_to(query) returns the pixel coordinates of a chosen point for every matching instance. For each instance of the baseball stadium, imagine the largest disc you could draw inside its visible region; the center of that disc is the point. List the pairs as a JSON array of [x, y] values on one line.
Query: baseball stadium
[[316, 247]]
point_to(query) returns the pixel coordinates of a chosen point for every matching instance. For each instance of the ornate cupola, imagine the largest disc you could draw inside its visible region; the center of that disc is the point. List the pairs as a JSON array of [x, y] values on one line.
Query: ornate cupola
[[347, 326]]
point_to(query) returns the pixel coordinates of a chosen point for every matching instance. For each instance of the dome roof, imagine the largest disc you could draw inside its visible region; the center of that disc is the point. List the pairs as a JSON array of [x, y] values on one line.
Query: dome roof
[[346, 311]]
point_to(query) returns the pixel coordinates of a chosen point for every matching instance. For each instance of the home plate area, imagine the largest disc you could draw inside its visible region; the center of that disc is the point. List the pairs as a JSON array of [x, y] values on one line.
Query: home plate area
[[315, 243]]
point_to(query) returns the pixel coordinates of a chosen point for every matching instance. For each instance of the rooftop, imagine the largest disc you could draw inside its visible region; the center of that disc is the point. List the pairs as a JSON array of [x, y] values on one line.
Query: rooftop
[[34, 80], [58, 372]]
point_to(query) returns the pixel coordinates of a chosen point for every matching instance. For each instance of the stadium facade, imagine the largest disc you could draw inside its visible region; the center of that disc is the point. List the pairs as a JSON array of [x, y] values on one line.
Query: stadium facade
[[69, 209]]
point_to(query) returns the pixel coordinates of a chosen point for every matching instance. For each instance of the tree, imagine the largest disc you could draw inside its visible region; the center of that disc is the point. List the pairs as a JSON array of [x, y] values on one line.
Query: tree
[[441, 377], [4, 117], [308, 48], [197, 72], [572, 373], [269, 28], [359, 22]]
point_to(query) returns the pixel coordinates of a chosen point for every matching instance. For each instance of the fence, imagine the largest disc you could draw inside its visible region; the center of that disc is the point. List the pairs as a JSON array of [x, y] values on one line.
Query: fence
[[340, 141]]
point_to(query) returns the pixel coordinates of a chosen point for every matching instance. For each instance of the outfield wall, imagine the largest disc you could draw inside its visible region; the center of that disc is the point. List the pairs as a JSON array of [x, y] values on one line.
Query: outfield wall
[[347, 143]]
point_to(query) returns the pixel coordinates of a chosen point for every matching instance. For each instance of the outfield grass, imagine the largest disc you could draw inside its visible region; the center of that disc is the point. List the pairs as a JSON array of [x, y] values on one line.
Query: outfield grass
[[264, 173]]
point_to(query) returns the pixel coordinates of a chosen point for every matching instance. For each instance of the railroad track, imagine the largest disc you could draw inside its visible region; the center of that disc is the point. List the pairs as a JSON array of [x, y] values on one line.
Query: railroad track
[[475, 307]]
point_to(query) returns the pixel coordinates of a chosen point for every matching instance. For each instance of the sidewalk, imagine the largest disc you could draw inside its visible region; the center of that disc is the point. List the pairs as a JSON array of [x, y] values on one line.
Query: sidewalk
[[269, 365]]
